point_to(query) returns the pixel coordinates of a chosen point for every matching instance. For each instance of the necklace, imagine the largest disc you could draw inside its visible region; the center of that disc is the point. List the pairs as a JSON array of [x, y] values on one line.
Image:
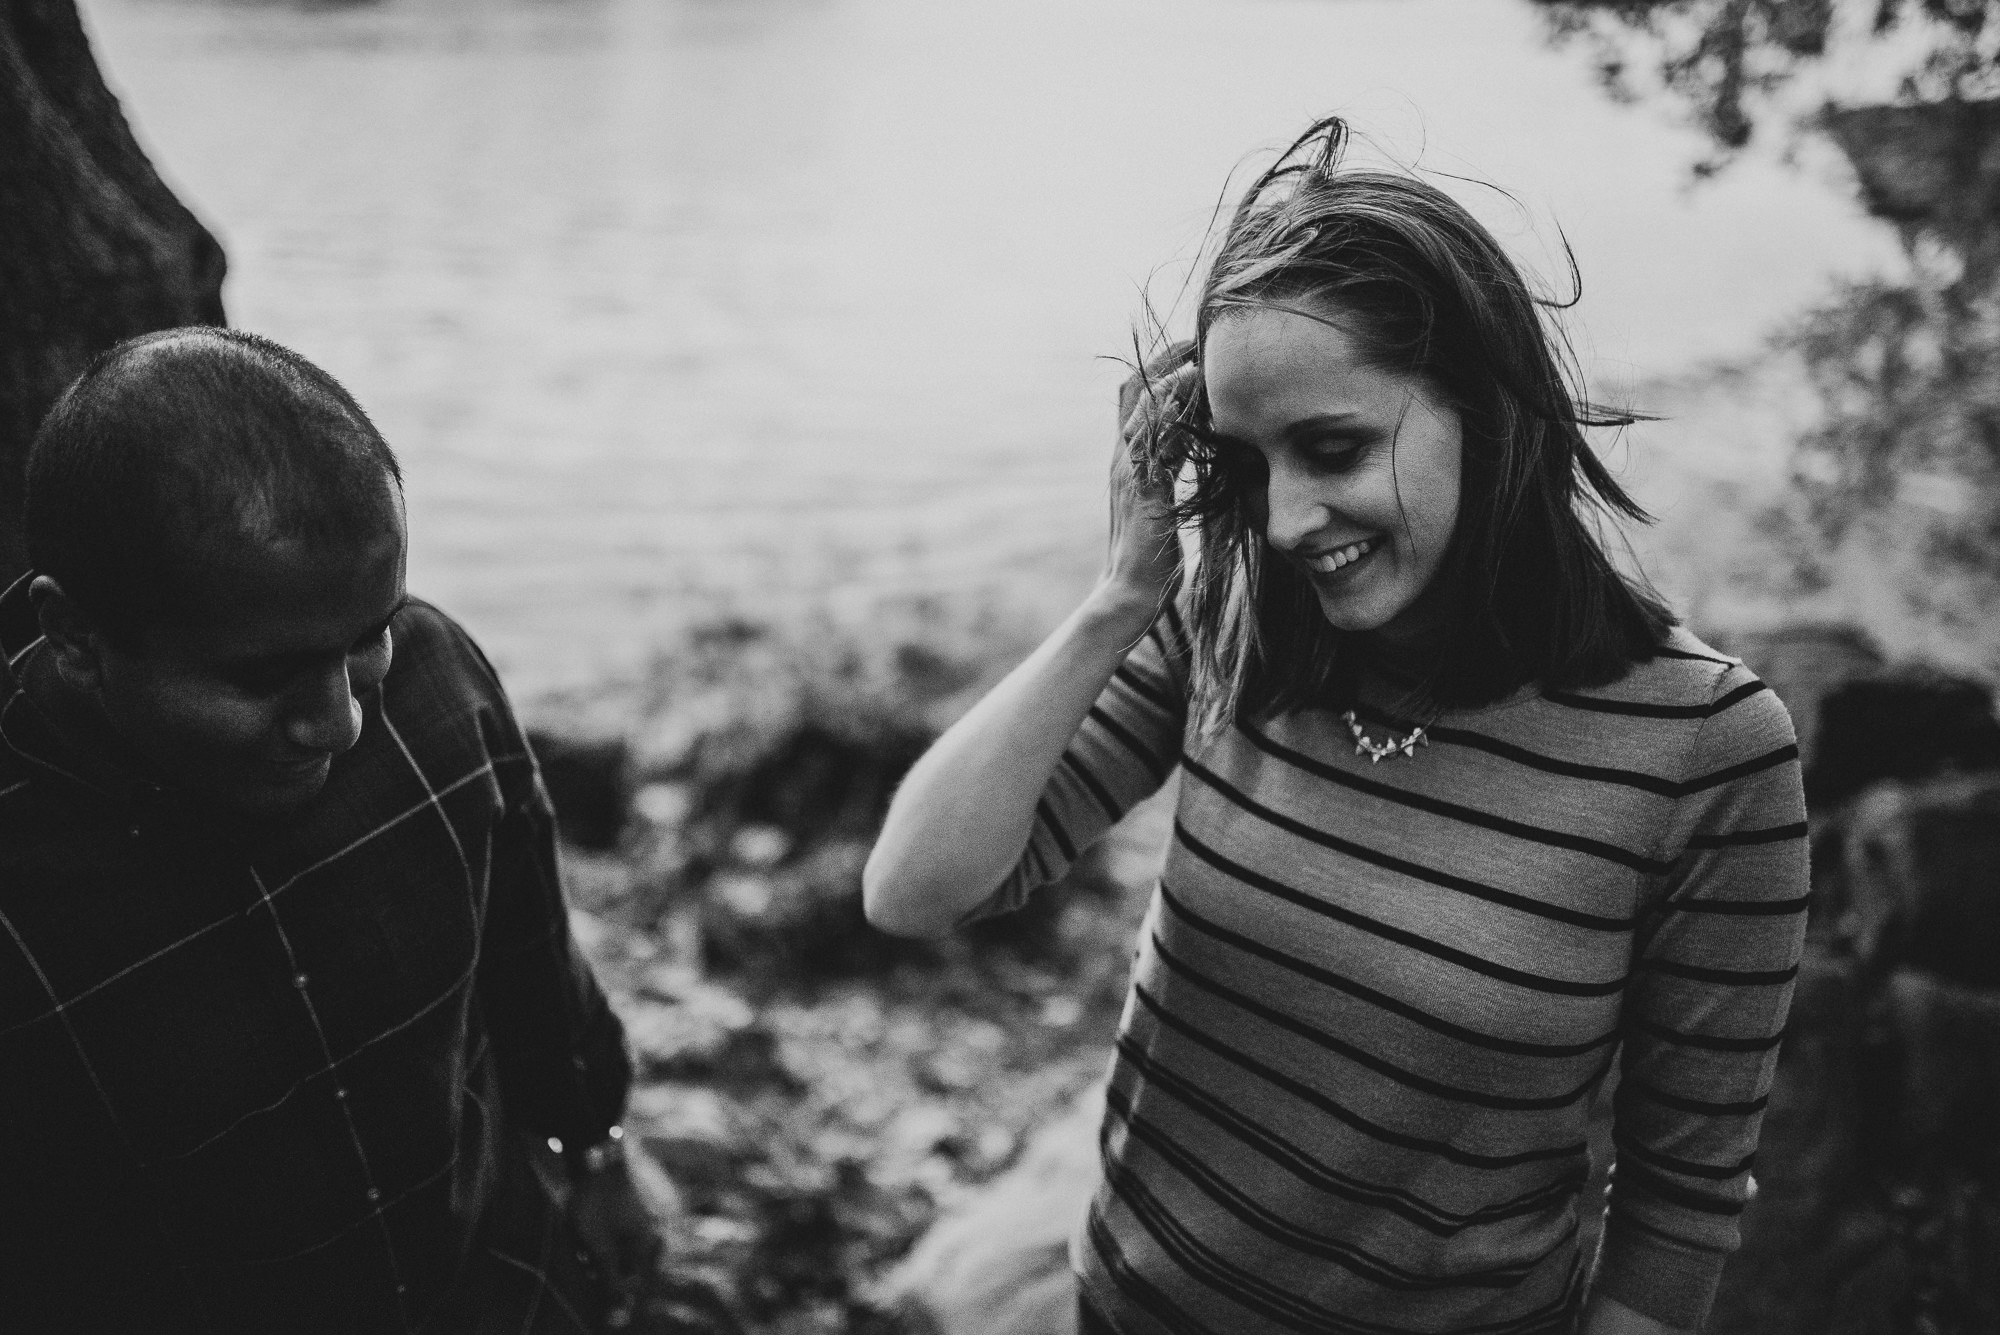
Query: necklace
[[1375, 751]]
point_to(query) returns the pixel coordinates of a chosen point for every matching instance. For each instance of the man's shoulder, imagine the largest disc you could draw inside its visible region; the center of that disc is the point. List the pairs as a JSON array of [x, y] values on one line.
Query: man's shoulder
[[434, 652], [442, 695]]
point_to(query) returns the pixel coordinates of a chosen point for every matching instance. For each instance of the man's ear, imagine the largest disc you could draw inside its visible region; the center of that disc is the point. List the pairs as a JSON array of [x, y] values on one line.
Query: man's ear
[[73, 634]]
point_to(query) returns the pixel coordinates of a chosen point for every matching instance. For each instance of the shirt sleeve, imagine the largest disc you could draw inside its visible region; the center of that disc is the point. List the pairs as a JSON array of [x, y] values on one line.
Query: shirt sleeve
[[564, 1070], [1126, 747], [1706, 1006]]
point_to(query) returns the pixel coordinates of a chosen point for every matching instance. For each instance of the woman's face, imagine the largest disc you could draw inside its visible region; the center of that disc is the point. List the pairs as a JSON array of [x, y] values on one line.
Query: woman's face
[[1362, 465]]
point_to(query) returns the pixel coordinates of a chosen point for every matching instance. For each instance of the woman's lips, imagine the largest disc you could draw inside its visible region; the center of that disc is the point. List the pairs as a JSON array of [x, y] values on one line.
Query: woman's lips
[[1335, 559]]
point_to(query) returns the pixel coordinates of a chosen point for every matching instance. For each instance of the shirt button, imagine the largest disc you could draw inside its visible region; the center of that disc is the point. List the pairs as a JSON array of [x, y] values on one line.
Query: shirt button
[[299, 981], [373, 1195]]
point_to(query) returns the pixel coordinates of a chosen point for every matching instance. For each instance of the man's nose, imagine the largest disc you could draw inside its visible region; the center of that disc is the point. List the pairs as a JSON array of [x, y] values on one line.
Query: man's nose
[[326, 716]]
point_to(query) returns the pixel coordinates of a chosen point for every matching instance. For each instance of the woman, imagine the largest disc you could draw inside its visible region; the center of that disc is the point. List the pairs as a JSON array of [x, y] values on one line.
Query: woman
[[1464, 817]]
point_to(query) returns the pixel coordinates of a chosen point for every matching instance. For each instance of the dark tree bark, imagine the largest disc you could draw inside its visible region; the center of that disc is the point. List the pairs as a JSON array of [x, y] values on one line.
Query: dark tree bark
[[94, 248]]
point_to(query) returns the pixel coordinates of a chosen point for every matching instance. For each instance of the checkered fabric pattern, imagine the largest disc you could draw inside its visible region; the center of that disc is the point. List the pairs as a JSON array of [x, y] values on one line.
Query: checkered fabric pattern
[[294, 1078]]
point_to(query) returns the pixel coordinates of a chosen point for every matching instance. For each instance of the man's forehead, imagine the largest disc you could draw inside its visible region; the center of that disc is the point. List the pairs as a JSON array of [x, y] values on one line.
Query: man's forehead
[[250, 597]]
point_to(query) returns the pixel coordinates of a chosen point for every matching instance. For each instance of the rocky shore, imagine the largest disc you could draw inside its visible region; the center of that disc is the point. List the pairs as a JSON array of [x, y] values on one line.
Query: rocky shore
[[815, 1092]]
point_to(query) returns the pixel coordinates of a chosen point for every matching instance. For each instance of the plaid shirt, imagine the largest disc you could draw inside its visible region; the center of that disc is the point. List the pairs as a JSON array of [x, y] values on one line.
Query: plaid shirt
[[294, 1078]]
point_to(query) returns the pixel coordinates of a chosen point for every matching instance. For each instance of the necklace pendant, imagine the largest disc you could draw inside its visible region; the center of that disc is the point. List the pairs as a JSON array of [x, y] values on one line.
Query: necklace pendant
[[1393, 745]]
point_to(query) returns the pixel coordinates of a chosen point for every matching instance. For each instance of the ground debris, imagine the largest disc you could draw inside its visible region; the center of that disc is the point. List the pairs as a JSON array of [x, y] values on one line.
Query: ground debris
[[819, 1092]]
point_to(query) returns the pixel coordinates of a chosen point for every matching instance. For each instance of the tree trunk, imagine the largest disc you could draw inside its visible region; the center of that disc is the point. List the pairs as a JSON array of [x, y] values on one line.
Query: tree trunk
[[94, 248]]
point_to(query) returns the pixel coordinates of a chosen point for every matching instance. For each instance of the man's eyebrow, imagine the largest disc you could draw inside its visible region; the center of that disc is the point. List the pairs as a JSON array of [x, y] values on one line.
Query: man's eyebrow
[[275, 661]]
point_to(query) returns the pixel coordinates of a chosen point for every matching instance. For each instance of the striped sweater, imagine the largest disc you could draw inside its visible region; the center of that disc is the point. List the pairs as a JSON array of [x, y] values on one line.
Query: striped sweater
[[1372, 1002]]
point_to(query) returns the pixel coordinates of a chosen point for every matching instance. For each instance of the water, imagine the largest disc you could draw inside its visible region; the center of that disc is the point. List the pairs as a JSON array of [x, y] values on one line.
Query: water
[[674, 303]]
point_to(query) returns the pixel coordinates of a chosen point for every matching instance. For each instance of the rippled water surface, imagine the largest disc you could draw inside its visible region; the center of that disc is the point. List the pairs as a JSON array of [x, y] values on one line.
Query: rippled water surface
[[774, 302]]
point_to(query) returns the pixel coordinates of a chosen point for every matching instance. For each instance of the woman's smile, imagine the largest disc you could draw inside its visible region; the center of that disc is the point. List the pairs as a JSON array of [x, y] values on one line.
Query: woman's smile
[[1360, 465], [1337, 560]]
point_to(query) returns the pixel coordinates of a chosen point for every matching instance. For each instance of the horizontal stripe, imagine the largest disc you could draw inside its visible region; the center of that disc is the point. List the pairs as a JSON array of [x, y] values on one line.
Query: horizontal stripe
[[1689, 657], [1647, 709], [1374, 1131], [1706, 1107], [1272, 1225], [1388, 862], [1251, 1291], [1711, 1042], [1755, 765], [1742, 908], [1737, 696], [1201, 1264], [1454, 811], [1727, 977], [1569, 769], [1776, 834], [1360, 1056], [1625, 708], [1713, 1172], [1154, 764], [1544, 1320], [1045, 815], [1635, 1177], [1146, 691], [1463, 959], [1341, 982], [1105, 802], [1134, 1286], [1320, 1176]]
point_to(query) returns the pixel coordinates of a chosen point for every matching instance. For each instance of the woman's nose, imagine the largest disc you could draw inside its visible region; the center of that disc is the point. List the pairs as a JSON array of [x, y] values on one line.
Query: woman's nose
[[1292, 512], [326, 716]]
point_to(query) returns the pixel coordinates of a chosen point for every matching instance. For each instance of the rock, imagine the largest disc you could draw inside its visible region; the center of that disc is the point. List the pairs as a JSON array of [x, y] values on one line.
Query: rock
[[1919, 882], [999, 1263], [1904, 723], [799, 921]]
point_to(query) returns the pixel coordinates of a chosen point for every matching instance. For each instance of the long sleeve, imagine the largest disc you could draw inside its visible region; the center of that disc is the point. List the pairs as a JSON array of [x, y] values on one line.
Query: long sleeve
[[1124, 751], [1710, 988], [564, 1070]]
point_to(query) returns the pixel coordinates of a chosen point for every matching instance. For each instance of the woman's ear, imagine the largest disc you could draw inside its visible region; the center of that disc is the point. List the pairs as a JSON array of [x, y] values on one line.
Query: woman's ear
[[73, 634]]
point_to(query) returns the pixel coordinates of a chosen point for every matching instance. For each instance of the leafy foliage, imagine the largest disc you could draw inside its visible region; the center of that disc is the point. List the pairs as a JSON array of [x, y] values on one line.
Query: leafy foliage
[[1726, 59]]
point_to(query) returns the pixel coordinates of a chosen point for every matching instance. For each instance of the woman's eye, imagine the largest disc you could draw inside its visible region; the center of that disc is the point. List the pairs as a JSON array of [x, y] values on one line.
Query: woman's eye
[[1335, 452]]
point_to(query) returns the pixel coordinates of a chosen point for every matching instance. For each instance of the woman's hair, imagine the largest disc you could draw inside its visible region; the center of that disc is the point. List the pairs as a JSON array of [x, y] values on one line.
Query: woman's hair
[[1423, 289]]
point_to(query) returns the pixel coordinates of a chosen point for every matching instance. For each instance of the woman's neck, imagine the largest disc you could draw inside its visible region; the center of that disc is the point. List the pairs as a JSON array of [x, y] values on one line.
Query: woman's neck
[[1404, 661]]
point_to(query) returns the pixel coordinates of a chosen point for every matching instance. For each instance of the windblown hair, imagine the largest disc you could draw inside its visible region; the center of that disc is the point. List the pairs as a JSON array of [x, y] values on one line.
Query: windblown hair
[[171, 446], [1529, 593]]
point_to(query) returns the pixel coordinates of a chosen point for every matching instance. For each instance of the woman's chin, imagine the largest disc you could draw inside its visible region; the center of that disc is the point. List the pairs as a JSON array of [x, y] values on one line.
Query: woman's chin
[[1354, 615]]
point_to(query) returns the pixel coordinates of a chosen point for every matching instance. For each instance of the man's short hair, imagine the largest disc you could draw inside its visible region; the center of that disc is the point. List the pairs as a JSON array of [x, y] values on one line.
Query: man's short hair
[[174, 445]]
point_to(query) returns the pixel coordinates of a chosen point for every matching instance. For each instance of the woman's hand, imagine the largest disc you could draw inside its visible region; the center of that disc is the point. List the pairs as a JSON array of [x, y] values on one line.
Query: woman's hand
[[1143, 560], [967, 808]]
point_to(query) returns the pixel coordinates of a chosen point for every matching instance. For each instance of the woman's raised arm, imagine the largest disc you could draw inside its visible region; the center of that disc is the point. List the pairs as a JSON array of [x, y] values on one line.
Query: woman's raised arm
[[964, 814]]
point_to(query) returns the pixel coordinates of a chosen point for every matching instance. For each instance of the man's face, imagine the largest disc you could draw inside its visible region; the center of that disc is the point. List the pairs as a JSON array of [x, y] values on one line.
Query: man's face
[[245, 698]]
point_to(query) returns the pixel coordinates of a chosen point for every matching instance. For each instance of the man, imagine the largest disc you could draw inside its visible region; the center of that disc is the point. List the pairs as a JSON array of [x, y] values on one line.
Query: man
[[288, 998]]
